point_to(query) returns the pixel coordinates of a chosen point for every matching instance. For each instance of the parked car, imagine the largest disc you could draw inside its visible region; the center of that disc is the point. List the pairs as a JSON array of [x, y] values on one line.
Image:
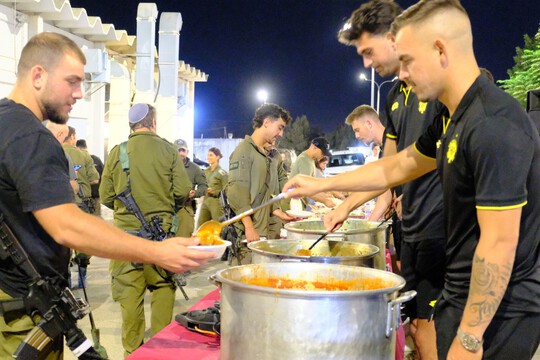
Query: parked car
[[346, 160]]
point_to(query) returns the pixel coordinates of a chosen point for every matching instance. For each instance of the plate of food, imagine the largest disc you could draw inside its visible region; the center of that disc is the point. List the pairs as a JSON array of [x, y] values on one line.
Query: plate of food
[[300, 214], [217, 247]]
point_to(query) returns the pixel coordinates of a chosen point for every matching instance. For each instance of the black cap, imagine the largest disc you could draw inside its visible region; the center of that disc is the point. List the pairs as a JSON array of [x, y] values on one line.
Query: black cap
[[322, 144]]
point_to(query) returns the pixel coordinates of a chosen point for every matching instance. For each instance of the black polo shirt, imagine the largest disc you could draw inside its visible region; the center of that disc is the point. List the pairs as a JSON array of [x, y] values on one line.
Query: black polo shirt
[[488, 157], [407, 119]]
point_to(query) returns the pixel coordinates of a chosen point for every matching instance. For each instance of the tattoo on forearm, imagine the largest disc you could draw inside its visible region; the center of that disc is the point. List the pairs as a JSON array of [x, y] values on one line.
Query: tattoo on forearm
[[488, 285]]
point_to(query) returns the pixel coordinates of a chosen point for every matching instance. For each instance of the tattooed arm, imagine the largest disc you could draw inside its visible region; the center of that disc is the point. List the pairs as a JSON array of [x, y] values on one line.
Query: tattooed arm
[[492, 265]]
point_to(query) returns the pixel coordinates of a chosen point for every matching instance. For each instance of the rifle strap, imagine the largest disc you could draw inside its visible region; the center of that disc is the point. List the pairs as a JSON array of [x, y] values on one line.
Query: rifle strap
[[123, 157]]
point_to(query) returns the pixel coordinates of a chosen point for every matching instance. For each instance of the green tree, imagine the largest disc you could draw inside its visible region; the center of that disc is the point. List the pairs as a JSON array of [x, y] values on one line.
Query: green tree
[[296, 135], [342, 138], [525, 75]]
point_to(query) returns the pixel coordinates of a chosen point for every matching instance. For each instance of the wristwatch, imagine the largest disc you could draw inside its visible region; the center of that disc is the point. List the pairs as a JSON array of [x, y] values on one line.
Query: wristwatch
[[469, 341]]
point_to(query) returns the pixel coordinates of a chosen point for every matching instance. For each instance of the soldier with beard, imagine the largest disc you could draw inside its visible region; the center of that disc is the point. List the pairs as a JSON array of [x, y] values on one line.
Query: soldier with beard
[[35, 195]]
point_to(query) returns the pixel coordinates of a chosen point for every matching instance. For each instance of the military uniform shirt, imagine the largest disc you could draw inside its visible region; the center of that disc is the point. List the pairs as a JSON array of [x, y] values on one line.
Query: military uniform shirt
[[217, 179], [86, 172], [407, 119], [158, 180], [197, 177], [248, 166], [488, 157]]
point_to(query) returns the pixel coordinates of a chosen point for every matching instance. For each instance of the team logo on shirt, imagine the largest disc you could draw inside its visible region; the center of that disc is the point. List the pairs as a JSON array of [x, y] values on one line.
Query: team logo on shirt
[[452, 150], [395, 106], [422, 107]]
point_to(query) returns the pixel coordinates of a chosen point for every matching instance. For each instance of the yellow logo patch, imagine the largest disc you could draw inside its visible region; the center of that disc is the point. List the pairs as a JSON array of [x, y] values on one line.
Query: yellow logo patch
[[422, 107], [395, 106], [452, 150]]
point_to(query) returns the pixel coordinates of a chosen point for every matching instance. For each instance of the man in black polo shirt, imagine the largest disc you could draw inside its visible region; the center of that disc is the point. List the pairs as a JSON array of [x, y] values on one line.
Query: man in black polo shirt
[[423, 248], [487, 153]]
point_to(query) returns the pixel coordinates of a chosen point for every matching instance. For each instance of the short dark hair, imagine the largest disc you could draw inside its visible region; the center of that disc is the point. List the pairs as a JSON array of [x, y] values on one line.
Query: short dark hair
[[374, 17], [47, 49], [423, 10], [71, 132], [273, 111], [81, 143], [216, 151]]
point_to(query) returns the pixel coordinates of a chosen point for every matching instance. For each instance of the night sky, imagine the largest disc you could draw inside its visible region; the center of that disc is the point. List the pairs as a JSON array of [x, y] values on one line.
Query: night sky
[[289, 47]]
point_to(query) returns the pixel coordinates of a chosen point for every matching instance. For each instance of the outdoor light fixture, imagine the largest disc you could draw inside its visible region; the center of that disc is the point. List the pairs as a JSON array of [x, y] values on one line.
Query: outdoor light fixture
[[363, 77], [262, 95]]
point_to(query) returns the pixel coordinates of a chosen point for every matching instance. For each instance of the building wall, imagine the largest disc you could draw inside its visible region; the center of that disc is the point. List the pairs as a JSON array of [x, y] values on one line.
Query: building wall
[[226, 146]]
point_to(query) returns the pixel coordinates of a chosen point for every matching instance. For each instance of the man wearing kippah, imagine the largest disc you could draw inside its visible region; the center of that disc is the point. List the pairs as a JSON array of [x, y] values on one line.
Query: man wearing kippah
[[158, 182]]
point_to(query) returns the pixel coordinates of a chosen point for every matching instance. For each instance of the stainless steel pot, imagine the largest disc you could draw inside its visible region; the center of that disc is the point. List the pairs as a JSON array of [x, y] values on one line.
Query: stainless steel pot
[[354, 230], [326, 251], [265, 323]]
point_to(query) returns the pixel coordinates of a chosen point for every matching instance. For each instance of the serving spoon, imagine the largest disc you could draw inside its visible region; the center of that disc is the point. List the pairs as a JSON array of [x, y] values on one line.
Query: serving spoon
[[212, 229]]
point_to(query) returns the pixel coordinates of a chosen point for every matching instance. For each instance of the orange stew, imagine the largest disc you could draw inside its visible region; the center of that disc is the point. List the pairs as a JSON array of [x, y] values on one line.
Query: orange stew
[[209, 238], [330, 285]]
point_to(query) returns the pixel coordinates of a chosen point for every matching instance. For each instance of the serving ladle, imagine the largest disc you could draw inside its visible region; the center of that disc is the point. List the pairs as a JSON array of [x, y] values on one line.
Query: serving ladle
[[212, 229]]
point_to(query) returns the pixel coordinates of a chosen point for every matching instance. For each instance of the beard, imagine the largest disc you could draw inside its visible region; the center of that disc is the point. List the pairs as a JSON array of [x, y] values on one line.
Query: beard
[[54, 115]]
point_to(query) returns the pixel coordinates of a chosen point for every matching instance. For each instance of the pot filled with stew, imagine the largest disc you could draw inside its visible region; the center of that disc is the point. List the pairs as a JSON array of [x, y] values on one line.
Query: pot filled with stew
[[353, 230], [325, 251], [308, 311]]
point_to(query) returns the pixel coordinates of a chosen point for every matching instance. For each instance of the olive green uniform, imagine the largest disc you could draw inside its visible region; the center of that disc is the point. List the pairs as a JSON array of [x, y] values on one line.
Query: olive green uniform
[[278, 176], [211, 208], [159, 183], [247, 188], [186, 214], [86, 173], [306, 166]]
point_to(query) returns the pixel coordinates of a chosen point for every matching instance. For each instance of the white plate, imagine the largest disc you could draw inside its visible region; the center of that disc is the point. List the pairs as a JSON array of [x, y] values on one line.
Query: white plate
[[302, 214], [218, 250]]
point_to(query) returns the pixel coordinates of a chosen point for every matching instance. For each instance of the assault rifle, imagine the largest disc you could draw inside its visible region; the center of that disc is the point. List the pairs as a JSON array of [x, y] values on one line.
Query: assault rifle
[[150, 230], [58, 308], [87, 203]]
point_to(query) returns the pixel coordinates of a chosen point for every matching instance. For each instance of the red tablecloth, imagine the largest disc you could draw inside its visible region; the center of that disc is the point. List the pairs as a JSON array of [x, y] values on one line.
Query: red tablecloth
[[176, 342]]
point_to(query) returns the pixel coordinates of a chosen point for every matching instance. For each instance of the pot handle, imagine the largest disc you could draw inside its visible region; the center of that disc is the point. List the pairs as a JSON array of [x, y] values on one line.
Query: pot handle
[[212, 278], [394, 311]]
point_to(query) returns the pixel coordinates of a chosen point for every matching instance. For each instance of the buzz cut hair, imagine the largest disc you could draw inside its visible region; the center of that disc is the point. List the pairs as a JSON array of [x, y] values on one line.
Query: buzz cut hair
[[360, 112], [374, 17], [47, 49], [423, 11]]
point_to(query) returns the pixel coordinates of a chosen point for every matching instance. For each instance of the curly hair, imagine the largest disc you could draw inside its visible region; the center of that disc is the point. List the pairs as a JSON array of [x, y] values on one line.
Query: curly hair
[[273, 111], [374, 17]]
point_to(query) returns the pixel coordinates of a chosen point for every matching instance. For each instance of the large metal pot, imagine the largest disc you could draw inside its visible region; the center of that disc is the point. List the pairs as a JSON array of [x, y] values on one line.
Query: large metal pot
[[354, 230], [326, 251], [266, 323]]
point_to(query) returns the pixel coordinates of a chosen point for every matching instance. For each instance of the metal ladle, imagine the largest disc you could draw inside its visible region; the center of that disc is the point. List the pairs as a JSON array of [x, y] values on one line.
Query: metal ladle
[[213, 227]]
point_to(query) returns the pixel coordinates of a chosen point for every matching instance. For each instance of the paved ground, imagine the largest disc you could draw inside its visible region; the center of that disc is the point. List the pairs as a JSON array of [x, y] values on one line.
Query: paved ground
[[107, 313]]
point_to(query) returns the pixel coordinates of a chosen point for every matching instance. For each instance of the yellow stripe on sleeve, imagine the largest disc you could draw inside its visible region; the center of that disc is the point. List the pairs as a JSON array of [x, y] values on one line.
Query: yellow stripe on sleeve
[[499, 208]]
